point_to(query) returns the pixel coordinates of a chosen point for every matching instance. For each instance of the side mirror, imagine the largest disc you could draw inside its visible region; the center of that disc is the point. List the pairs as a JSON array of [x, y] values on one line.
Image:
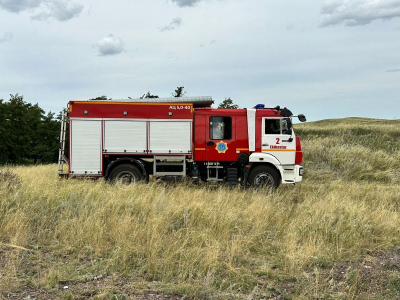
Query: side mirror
[[302, 118]]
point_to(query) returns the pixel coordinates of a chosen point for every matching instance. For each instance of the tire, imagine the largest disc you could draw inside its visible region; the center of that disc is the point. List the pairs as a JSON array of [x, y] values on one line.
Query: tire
[[125, 173], [264, 176], [232, 176]]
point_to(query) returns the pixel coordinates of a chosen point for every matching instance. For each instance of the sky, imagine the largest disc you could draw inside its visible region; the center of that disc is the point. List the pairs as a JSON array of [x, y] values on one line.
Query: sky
[[325, 59]]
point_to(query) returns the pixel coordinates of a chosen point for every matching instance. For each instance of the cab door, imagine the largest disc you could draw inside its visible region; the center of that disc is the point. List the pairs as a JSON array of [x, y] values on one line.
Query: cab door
[[221, 138], [278, 140]]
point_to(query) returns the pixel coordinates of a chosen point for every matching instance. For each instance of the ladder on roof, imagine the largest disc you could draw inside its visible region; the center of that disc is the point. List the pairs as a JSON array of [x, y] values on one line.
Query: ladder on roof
[[62, 159]]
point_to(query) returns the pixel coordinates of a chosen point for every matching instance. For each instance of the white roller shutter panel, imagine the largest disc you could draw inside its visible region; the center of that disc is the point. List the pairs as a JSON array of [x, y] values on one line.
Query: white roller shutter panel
[[85, 147], [125, 136], [170, 137]]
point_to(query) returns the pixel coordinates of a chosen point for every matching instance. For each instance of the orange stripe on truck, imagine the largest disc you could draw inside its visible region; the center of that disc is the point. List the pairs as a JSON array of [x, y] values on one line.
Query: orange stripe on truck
[[283, 150]]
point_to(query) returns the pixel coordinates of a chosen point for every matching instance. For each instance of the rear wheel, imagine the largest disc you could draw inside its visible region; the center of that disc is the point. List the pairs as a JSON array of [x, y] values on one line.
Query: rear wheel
[[126, 173], [232, 176], [264, 176]]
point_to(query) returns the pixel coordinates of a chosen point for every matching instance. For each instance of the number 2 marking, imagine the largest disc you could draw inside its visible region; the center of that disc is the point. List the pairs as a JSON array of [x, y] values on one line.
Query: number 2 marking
[[277, 141]]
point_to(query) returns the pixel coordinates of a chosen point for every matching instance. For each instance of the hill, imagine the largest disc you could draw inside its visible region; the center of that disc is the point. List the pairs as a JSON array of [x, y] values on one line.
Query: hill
[[334, 236], [352, 149]]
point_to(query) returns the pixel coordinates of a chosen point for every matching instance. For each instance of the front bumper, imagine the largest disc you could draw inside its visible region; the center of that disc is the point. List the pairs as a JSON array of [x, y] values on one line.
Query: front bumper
[[292, 174], [298, 173]]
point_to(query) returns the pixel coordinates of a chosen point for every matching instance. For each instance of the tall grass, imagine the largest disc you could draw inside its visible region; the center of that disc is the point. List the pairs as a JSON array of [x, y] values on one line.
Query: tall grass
[[354, 150], [206, 240]]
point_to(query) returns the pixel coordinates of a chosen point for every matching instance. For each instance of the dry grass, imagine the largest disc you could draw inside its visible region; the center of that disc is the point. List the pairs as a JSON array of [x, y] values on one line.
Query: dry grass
[[211, 242], [353, 149]]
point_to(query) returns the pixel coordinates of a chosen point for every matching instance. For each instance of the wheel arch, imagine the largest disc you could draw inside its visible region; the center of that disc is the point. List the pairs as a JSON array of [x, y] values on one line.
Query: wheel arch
[[265, 159], [256, 164], [123, 160]]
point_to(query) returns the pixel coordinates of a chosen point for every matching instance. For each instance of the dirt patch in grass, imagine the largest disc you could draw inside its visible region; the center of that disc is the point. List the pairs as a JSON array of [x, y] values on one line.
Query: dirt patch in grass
[[376, 276], [28, 279]]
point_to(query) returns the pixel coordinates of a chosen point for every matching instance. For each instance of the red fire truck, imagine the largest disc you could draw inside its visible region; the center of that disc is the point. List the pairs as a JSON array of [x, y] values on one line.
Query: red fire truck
[[129, 140]]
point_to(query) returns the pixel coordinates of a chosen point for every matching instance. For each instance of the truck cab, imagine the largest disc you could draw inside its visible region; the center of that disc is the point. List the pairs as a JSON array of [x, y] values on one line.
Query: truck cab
[[260, 139]]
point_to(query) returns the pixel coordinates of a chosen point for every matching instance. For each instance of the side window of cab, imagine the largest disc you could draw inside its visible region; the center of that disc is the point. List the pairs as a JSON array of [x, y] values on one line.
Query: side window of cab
[[220, 128], [272, 126]]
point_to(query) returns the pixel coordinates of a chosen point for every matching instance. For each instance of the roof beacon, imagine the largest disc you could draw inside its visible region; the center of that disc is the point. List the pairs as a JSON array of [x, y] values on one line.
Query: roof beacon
[[260, 106]]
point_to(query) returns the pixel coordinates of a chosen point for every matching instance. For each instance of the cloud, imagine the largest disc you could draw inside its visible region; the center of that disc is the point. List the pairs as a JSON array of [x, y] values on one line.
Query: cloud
[[183, 3], [393, 70], [8, 36], [110, 45], [61, 10], [171, 26], [358, 12], [19, 5]]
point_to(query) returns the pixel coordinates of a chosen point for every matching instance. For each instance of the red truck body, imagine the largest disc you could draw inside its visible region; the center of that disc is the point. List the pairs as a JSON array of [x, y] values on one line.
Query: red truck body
[[208, 143]]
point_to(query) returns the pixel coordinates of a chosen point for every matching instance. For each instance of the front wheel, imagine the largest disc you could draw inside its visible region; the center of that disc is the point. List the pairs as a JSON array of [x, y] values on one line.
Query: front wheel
[[264, 176], [125, 173]]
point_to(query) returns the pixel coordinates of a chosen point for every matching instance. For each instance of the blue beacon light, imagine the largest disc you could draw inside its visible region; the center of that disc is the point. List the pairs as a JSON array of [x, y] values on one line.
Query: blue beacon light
[[260, 106]]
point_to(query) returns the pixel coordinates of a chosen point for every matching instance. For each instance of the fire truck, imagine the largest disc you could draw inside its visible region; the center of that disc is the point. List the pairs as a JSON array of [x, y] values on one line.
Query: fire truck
[[131, 140]]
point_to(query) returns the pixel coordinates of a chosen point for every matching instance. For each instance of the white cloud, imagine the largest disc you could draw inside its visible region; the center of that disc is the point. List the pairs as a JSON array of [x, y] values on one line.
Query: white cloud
[[19, 5], [8, 36], [182, 3], [358, 12], [176, 22], [61, 10], [110, 45]]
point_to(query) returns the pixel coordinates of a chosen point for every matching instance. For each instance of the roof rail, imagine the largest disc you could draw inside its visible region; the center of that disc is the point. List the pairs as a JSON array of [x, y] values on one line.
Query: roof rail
[[203, 101]]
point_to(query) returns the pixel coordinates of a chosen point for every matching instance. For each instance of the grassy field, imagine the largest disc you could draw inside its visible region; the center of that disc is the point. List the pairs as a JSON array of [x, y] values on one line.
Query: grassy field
[[334, 236]]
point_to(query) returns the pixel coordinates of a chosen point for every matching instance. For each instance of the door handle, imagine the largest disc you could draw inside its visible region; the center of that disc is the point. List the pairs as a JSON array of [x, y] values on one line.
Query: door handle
[[265, 144], [288, 141], [210, 143]]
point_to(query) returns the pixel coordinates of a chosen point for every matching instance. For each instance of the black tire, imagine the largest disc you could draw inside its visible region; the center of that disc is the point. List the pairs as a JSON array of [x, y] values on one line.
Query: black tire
[[125, 173], [264, 176], [232, 176]]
